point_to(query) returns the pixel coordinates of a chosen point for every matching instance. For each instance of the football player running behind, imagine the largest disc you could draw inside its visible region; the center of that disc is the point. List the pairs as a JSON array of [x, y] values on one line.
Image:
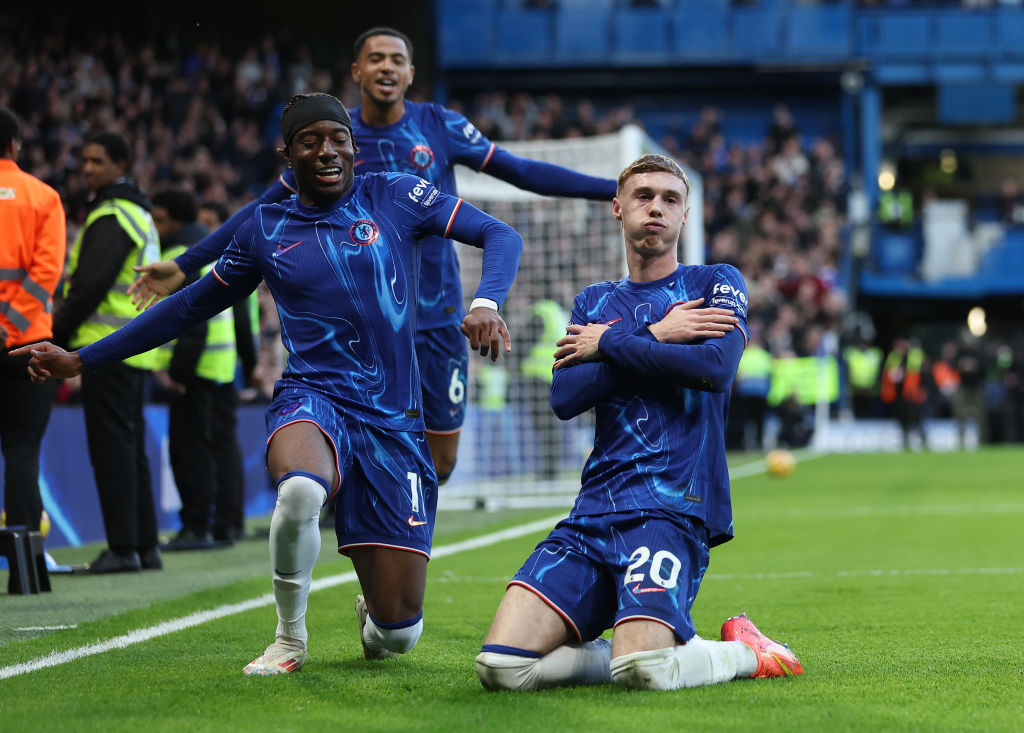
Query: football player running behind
[[425, 140], [655, 353], [346, 414]]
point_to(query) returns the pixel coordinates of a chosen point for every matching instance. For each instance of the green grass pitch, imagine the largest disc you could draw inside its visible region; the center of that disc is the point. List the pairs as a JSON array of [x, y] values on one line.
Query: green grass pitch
[[898, 579]]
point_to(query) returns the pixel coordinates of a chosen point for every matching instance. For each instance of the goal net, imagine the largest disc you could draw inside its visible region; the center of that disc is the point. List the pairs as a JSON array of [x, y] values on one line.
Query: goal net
[[513, 450]]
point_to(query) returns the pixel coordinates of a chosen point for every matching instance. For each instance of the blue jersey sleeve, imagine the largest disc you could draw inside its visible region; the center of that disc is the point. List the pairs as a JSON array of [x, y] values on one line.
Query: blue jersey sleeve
[[471, 148], [209, 248], [578, 388], [709, 366], [428, 211], [467, 144], [547, 179]]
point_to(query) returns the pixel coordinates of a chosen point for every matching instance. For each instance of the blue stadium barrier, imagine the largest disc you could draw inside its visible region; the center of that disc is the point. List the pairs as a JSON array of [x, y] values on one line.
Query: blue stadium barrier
[[904, 36], [466, 37], [1008, 34], [818, 33], [896, 253], [576, 6], [525, 36], [962, 35], [641, 34], [701, 34], [757, 34], [906, 46], [582, 38]]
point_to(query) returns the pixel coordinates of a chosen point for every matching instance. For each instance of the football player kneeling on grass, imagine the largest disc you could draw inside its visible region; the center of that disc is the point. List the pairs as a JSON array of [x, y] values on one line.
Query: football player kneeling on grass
[[656, 354], [346, 418]]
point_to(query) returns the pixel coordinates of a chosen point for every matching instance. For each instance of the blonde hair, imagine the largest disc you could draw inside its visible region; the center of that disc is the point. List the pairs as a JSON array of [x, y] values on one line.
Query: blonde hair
[[653, 163]]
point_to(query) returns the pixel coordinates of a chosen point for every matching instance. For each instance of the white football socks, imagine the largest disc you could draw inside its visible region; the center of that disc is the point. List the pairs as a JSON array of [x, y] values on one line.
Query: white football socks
[[693, 664], [294, 549], [569, 664]]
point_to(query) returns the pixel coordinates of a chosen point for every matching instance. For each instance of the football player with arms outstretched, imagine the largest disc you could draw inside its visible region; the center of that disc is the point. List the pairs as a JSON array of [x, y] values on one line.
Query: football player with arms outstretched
[[425, 140], [340, 259]]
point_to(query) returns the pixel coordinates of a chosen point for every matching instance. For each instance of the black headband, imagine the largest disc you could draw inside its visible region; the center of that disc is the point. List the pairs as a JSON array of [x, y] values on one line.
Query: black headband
[[313, 109]]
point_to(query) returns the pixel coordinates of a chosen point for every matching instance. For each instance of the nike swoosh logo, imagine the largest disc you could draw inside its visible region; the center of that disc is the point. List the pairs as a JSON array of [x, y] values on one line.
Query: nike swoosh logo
[[638, 589], [281, 250], [359, 163], [285, 575], [415, 522]]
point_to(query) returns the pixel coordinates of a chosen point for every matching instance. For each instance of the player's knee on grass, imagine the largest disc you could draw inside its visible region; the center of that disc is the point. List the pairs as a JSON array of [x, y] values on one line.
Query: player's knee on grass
[[509, 668], [398, 637]]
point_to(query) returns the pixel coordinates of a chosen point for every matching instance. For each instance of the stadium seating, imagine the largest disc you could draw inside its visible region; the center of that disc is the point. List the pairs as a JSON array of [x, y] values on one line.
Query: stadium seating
[[582, 38], [524, 36], [818, 33], [641, 35], [701, 34]]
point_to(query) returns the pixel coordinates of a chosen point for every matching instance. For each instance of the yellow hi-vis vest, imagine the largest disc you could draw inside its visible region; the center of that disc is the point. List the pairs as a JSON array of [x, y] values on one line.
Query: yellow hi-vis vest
[[808, 378], [116, 309], [538, 364], [219, 358], [864, 366], [754, 371], [492, 386]]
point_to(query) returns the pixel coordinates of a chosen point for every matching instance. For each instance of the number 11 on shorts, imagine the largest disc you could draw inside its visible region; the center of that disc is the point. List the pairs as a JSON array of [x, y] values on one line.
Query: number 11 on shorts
[[415, 488]]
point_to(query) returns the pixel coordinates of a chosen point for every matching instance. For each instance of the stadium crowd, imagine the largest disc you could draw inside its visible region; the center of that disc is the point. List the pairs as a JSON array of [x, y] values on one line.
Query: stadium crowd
[[205, 119]]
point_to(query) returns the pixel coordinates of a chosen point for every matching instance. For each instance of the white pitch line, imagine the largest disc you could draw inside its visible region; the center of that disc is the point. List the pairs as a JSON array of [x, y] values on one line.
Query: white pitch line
[[56, 658], [58, 627]]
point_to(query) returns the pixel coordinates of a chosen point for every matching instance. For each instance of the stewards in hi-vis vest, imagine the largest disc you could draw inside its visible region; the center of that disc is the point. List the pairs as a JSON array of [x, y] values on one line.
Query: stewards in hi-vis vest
[[117, 235]]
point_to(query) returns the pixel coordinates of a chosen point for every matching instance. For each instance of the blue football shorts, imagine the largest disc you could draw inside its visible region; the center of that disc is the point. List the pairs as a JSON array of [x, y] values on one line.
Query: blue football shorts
[[443, 358], [599, 571], [388, 491]]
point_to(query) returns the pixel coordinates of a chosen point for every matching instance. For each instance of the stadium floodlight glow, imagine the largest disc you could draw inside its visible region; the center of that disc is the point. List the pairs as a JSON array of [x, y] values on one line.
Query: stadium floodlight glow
[[947, 160], [886, 176], [976, 321]]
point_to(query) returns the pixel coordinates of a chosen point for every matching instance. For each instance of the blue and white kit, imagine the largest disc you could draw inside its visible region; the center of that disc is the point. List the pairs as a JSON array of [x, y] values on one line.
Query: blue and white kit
[[428, 142], [654, 495], [345, 280]]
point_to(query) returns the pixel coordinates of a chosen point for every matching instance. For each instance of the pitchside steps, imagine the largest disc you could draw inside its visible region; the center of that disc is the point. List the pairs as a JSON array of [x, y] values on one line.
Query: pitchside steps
[[26, 560]]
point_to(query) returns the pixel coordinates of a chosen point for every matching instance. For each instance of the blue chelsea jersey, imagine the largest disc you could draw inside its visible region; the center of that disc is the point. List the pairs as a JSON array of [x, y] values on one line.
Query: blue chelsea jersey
[[658, 444], [345, 284], [427, 142]]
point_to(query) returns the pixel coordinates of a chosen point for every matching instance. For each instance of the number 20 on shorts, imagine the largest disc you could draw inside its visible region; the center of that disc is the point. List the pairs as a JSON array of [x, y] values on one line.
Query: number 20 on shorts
[[664, 569]]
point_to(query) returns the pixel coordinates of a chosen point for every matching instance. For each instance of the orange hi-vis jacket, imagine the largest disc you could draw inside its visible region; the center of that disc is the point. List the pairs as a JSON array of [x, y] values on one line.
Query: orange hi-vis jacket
[[32, 244]]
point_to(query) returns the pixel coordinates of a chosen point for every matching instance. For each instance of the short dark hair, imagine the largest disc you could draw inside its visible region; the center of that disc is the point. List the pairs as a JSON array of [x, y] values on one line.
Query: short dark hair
[[653, 163], [10, 128], [115, 145], [381, 30], [180, 204], [217, 207]]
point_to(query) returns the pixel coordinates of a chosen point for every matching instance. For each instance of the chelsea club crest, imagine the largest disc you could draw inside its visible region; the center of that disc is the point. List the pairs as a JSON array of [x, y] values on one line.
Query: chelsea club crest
[[422, 157], [364, 231]]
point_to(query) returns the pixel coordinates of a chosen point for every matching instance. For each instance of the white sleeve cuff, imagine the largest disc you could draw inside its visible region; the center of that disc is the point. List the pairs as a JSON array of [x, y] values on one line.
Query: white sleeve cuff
[[483, 303]]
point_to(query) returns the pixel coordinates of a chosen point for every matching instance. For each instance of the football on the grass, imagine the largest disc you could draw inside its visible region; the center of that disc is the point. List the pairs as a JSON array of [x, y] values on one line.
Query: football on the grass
[[780, 462]]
